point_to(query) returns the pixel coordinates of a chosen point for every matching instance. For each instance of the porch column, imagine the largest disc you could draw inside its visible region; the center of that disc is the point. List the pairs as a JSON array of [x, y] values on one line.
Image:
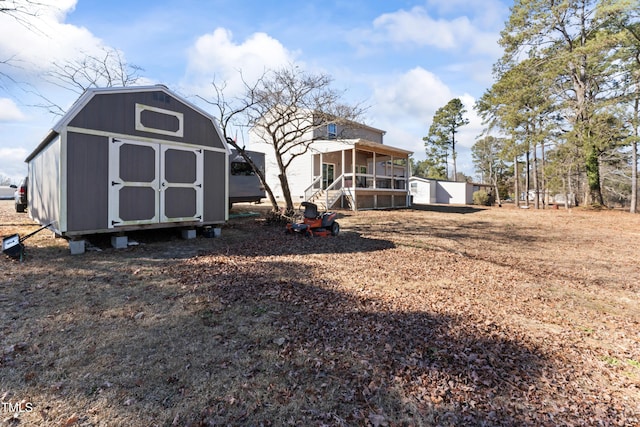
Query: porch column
[[354, 191], [393, 182], [321, 171], [375, 178], [393, 178], [342, 165], [353, 167]]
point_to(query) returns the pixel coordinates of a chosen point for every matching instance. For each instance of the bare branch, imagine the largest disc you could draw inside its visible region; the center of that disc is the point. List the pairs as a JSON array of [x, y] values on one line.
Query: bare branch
[[94, 71], [24, 11]]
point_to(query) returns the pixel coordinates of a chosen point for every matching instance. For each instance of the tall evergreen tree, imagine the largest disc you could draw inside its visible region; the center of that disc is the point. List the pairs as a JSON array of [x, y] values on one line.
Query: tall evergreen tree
[[568, 37], [443, 129]]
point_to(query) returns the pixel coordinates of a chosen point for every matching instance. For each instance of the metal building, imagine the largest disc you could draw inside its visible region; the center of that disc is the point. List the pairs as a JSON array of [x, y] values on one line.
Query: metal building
[[244, 184], [129, 158]]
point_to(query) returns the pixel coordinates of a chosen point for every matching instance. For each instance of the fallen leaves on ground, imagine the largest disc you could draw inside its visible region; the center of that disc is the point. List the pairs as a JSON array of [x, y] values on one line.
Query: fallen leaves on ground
[[410, 317]]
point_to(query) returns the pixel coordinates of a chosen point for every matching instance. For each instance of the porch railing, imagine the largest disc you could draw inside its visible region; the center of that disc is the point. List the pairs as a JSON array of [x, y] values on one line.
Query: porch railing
[[344, 186], [314, 188]]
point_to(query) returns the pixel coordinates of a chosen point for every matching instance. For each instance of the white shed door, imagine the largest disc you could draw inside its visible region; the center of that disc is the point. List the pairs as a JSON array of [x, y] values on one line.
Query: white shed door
[[181, 184], [151, 183]]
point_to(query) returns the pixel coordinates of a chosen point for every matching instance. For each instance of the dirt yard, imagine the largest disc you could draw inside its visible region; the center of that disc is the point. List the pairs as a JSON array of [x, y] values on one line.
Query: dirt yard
[[425, 317]]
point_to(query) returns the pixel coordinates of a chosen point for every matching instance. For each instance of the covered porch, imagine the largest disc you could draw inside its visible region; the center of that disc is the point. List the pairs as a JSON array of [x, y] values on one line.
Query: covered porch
[[363, 175]]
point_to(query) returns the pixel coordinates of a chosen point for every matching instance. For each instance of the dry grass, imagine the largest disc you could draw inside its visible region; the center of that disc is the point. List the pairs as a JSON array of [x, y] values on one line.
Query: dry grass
[[413, 317]]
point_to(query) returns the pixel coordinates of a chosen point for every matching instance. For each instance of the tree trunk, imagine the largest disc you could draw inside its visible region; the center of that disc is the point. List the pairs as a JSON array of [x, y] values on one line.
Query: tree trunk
[[574, 202], [267, 189], [284, 183], [634, 177], [495, 184], [543, 180], [634, 157], [259, 173], [566, 195], [526, 180], [286, 193], [446, 164], [493, 177], [534, 170], [593, 177], [516, 177], [453, 156]]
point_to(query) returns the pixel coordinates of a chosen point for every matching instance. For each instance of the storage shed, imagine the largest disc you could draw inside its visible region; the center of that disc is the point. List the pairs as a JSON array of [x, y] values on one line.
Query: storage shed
[[129, 158], [433, 191]]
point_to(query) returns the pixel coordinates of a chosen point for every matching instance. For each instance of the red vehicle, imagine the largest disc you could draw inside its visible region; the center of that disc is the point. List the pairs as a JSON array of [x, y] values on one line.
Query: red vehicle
[[315, 224], [20, 196]]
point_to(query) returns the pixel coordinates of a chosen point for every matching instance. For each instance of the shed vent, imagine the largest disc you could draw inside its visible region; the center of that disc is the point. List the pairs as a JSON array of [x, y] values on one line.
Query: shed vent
[[160, 121]]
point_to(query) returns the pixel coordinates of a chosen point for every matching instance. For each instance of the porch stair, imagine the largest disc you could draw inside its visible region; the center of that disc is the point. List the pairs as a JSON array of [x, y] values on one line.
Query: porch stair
[[326, 199]]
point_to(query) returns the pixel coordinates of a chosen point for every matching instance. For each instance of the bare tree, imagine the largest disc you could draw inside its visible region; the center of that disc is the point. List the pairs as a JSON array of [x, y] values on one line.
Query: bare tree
[[26, 13], [286, 106], [77, 75], [231, 112], [23, 11], [283, 108], [106, 70]]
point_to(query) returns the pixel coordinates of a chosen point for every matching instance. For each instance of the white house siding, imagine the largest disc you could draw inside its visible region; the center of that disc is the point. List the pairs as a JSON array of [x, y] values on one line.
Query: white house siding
[[300, 172], [44, 186]]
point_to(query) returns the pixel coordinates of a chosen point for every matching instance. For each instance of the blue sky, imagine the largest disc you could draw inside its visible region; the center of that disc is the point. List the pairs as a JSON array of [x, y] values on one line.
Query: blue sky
[[402, 59]]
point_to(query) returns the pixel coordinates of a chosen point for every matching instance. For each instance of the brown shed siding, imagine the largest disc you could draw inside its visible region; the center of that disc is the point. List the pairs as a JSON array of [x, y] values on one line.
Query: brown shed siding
[[87, 179], [215, 174], [116, 113]]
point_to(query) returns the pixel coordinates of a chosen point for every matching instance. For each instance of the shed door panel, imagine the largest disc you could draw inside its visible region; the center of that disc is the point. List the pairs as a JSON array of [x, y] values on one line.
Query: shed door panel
[[133, 183], [152, 183], [182, 171]]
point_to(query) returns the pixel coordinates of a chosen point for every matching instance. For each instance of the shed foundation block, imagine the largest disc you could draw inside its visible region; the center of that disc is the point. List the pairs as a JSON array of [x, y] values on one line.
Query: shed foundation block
[[119, 242], [76, 247], [188, 234]]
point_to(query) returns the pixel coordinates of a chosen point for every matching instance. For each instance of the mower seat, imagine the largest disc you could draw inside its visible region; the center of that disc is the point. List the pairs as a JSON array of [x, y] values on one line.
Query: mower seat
[[310, 210]]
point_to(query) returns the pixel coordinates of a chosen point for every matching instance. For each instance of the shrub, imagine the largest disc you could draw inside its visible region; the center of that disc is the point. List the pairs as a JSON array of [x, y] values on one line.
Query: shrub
[[481, 198]]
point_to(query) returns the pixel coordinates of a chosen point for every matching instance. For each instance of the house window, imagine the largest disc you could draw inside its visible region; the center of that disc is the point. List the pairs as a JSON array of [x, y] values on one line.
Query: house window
[[332, 131]]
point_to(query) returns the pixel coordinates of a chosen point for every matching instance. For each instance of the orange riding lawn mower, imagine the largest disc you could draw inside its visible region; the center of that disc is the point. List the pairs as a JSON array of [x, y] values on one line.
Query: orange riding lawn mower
[[314, 223]]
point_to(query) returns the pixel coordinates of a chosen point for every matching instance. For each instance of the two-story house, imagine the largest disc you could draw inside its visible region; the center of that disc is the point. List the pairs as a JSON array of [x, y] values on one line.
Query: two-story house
[[347, 166]]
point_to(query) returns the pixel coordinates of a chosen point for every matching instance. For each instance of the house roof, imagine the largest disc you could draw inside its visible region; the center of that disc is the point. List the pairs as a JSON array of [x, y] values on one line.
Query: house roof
[[354, 123], [377, 147], [421, 179], [361, 144], [88, 94]]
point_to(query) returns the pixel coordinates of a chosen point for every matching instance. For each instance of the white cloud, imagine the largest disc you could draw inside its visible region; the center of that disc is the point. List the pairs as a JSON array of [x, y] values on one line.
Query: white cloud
[[485, 13], [415, 94], [9, 111], [404, 106], [44, 39], [417, 28], [216, 55], [13, 165], [470, 132]]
